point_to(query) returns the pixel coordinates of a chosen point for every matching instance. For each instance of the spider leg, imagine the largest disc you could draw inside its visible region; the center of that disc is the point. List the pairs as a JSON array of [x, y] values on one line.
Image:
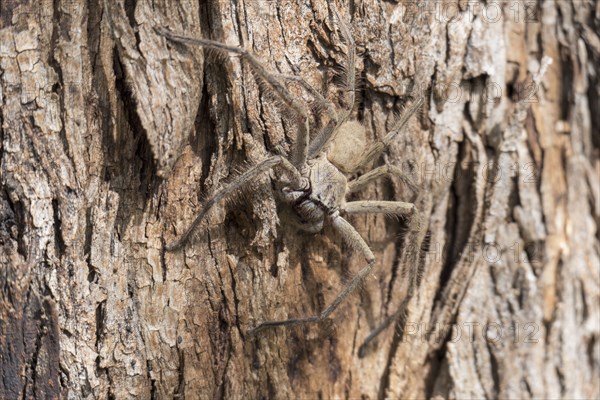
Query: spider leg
[[273, 82], [397, 317], [326, 132], [323, 137], [380, 207], [323, 103], [353, 238], [238, 183], [350, 62], [379, 172], [385, 207], [377, 148]]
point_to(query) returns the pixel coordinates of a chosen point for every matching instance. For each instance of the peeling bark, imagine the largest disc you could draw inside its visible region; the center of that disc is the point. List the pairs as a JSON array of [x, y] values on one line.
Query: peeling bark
[[112, 137]]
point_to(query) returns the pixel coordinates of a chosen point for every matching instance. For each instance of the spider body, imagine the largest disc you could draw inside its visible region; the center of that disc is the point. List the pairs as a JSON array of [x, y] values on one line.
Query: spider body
[[311, 185], [322, 194], [327, 189], [328, 184]]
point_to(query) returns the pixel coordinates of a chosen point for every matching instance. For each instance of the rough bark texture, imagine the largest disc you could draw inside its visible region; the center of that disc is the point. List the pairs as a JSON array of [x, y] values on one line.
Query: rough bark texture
[[111, 137]]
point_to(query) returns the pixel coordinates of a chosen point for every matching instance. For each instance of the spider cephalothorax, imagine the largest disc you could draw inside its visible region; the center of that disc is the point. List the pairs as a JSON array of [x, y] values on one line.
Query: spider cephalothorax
[[323, 195], [312, 186]]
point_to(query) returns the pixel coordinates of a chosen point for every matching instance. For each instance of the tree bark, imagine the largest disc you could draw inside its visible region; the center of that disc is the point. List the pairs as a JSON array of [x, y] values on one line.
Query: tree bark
[[112, 136]]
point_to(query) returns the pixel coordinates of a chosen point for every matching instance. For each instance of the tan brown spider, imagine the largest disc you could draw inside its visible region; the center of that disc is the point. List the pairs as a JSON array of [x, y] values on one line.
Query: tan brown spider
[[313, 185]]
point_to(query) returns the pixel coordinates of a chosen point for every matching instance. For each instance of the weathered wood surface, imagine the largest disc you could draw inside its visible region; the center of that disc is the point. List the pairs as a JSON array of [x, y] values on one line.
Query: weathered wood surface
[[111, 137]]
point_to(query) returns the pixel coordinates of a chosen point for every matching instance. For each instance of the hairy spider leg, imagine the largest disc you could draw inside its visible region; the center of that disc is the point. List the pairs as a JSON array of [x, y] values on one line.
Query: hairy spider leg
[[324, 136], [397, 208], [380, 172], [377, 148], [300, 152], [353, 238], [322, 102], [399, 316], [238, 183], [379, 207]]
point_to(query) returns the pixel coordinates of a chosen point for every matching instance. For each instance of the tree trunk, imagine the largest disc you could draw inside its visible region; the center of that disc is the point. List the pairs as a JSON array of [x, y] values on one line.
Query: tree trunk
[[112, 137]]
